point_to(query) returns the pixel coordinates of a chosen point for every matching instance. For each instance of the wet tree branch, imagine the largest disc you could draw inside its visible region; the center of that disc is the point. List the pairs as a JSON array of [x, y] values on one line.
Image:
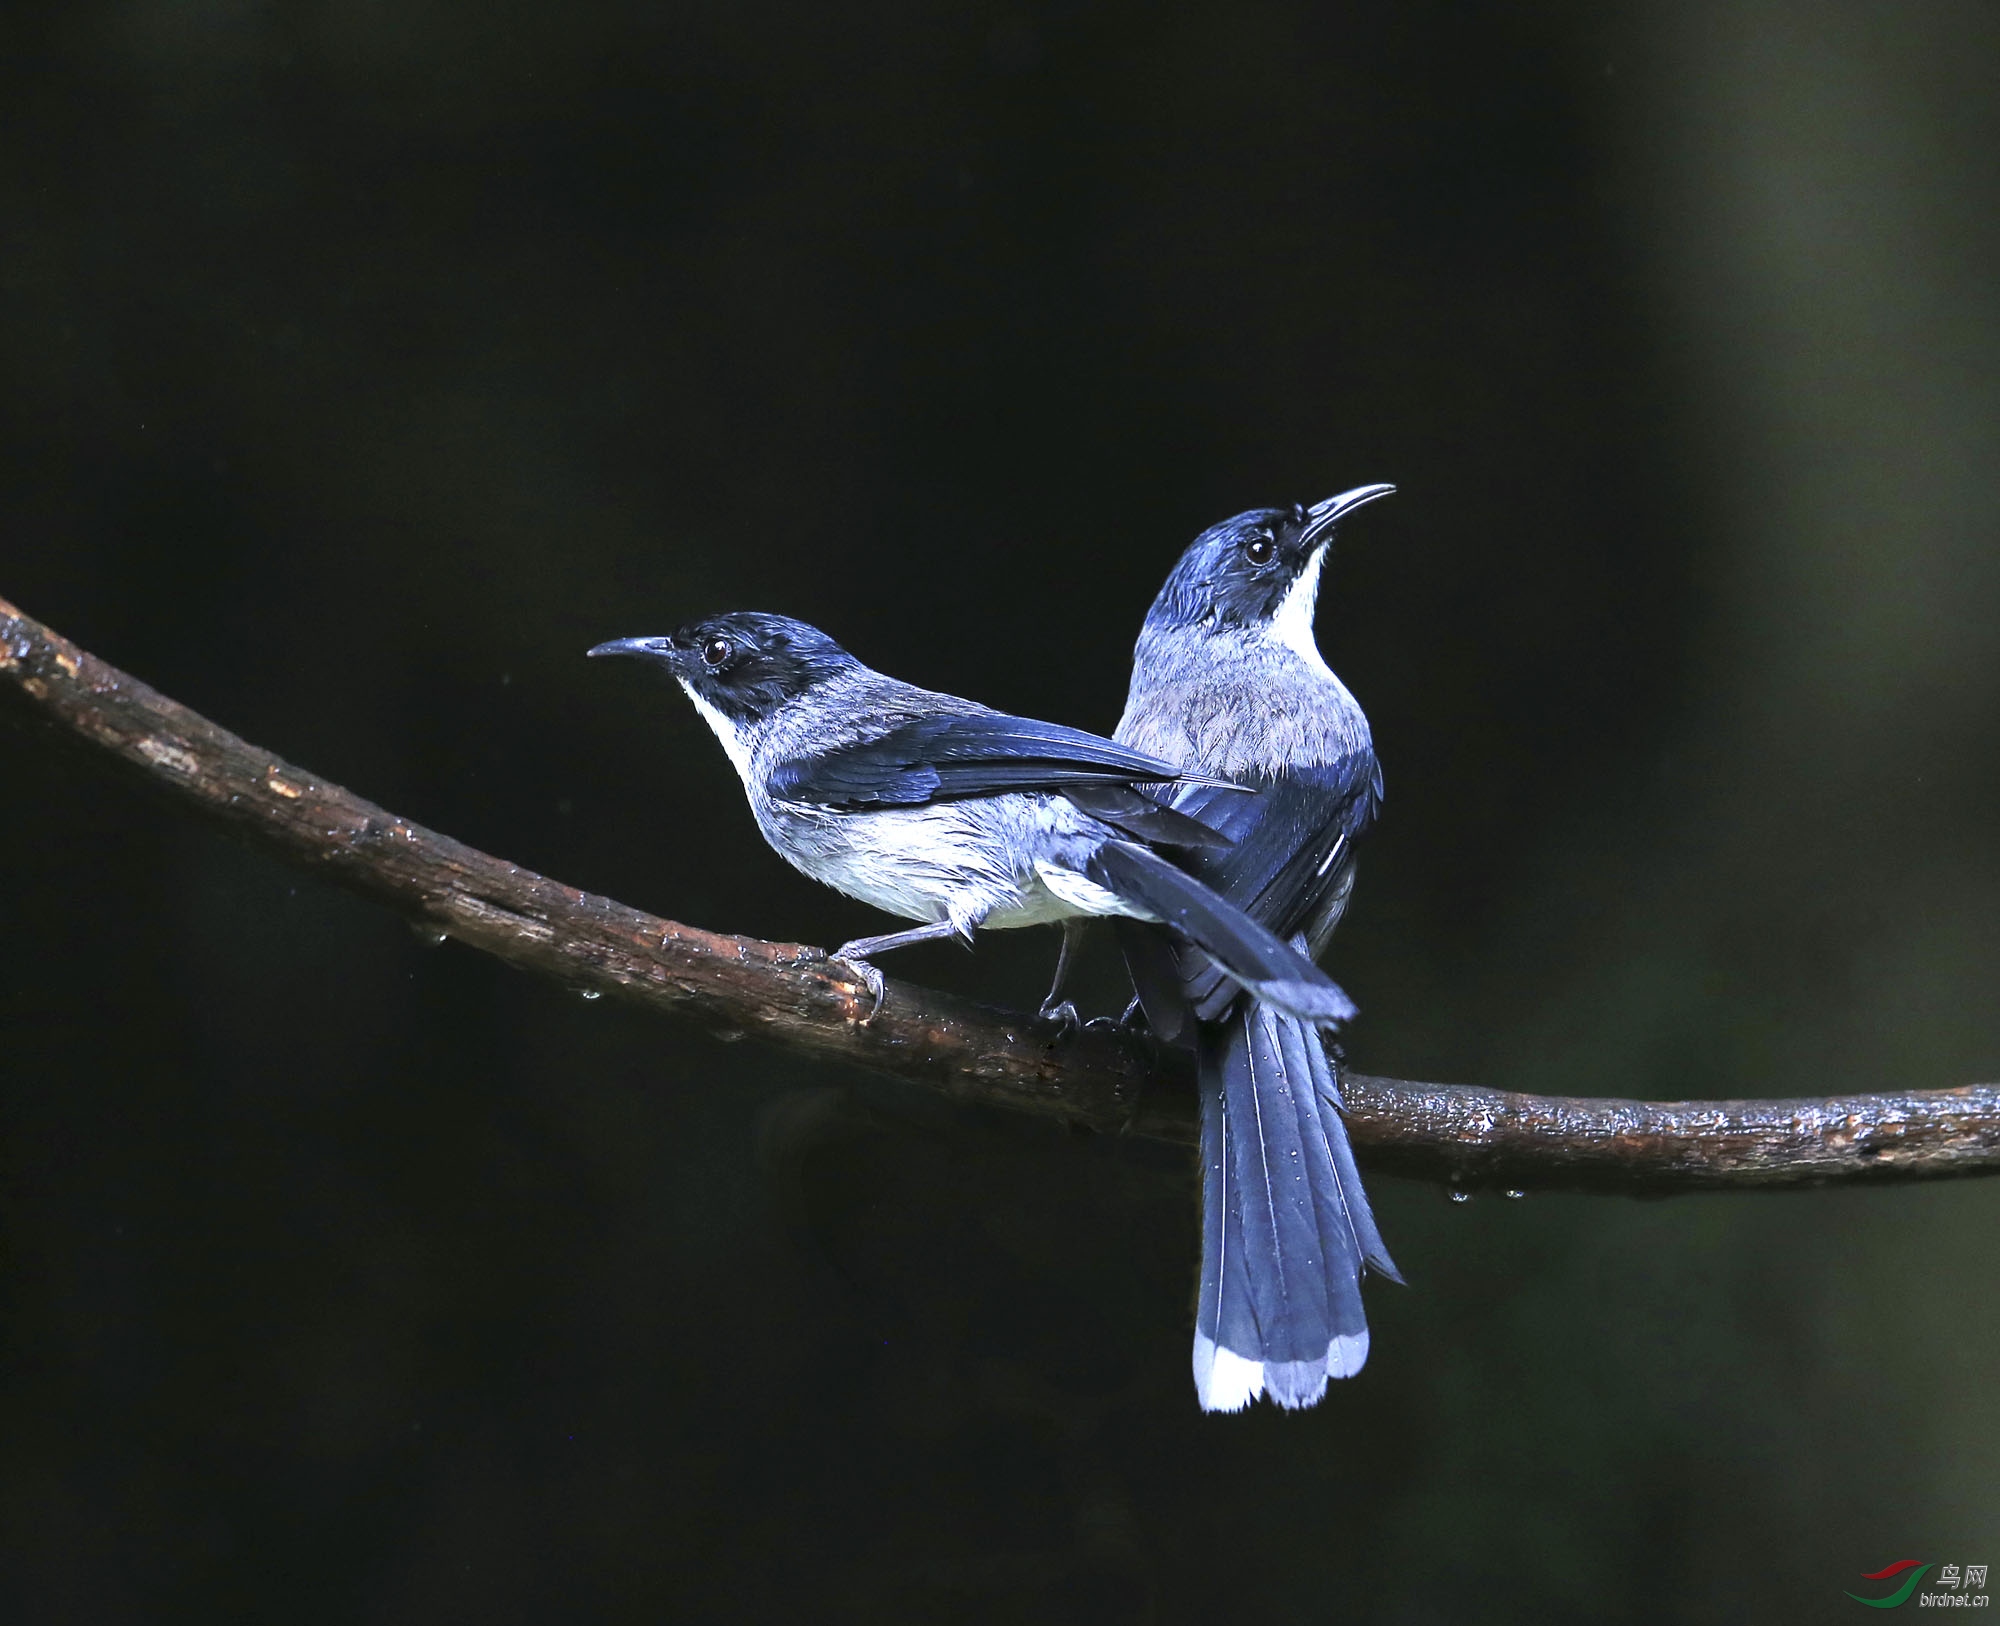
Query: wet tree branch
[[793, 997]]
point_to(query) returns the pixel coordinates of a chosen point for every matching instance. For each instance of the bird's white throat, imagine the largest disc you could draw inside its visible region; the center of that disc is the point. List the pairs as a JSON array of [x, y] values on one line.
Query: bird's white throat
[[1292, 625], [730, 734]]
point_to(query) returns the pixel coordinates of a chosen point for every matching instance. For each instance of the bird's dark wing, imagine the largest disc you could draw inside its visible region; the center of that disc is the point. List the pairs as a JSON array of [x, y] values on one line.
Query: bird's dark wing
[[944, 758], [1140, 816], [1288, 865], [1289, 842], [1258, 960]]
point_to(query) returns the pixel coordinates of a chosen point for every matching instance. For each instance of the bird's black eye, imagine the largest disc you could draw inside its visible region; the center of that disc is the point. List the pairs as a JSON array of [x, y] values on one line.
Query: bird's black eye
[[1259, 549], [717, 650]]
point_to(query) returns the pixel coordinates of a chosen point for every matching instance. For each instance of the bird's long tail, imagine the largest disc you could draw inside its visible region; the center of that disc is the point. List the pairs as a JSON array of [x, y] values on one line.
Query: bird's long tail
[[1278, 973], [1286, 1228]]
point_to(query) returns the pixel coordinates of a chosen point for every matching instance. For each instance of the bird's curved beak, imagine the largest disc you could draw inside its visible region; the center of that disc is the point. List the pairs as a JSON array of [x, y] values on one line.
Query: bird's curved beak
[[1322, 517], [659, 649]]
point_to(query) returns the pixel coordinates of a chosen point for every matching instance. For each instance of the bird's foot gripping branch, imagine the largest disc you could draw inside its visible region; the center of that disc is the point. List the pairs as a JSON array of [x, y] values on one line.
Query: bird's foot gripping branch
[[798, 999]]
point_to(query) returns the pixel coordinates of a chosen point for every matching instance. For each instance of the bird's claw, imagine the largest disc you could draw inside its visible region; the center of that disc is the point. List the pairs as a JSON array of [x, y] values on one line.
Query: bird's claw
[[866, 975], [1063, 1014]]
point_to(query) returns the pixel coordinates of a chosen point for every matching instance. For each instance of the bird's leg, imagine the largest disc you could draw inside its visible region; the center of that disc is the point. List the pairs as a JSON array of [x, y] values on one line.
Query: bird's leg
[[857, 953], [1336, 1065], [1055, 1008]]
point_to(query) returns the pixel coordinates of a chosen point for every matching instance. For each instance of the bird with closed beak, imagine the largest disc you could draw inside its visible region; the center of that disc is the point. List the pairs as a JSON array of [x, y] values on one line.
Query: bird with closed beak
[[1228, 682], [944, 812]]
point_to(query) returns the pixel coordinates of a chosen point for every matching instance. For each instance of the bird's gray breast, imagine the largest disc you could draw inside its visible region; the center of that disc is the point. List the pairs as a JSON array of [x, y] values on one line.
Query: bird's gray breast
[[1236, 703]]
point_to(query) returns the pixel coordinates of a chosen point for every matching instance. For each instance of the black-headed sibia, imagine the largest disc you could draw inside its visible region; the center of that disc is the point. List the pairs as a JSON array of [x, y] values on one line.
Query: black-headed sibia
[[945, 812], [1228, 681]]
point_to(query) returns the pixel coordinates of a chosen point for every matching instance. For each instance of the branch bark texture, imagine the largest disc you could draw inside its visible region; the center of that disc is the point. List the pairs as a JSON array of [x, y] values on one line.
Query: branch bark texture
[[792, 996]]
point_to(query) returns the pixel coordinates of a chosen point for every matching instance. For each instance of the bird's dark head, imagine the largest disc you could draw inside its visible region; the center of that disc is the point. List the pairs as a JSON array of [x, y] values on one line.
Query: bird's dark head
[[743, 666], [1256, 570]]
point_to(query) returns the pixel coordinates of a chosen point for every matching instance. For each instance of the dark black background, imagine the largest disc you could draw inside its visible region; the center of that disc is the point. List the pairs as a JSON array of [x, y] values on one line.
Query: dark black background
[[364, 363]]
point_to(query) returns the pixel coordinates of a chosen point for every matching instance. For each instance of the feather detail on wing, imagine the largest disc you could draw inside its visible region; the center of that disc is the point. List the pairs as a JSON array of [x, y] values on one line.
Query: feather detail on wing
[[1289, 865], [1272, 969], [1145, 819], [949, 757], [1288, 843]]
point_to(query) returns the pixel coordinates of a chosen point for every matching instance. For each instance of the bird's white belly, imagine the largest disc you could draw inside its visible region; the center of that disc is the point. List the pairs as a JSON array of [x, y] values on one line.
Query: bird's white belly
[[916, 863], [944, 861]]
